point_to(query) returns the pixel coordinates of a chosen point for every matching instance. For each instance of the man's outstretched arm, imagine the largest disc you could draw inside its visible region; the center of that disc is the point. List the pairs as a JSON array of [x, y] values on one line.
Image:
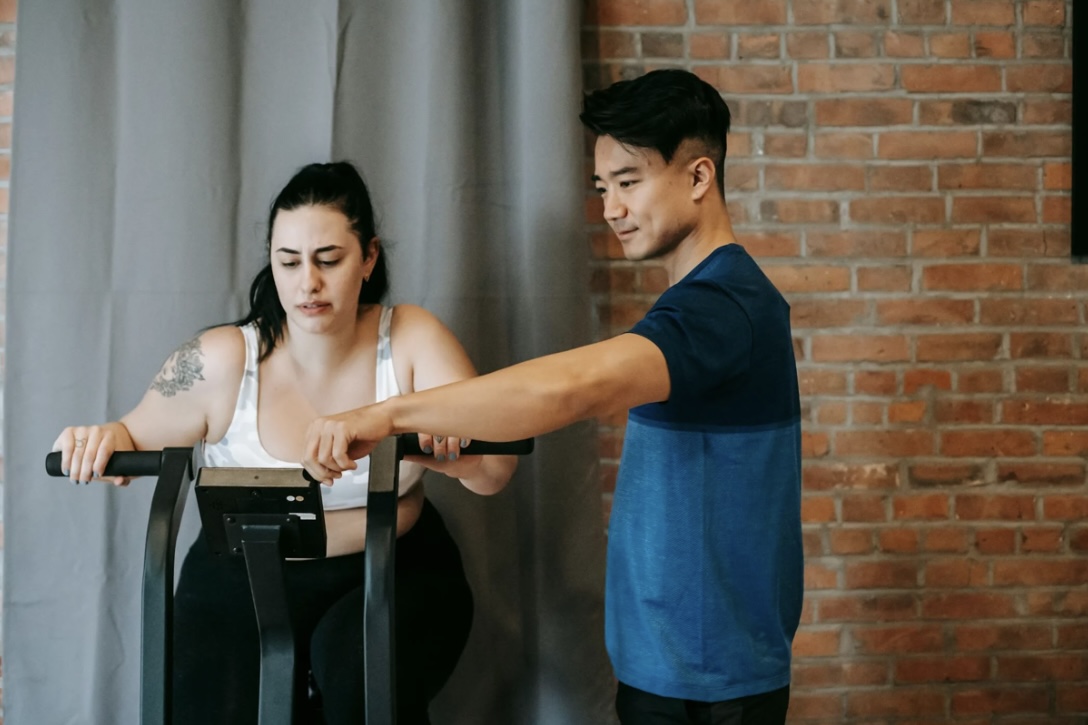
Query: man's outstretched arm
[[521, 401]]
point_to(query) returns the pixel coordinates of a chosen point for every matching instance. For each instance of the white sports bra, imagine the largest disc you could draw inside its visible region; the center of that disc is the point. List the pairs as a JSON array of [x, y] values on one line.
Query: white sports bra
[[241, 446]]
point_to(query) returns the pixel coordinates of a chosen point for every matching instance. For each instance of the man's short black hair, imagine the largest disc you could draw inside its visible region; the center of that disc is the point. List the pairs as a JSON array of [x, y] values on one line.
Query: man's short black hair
[[659, 111]]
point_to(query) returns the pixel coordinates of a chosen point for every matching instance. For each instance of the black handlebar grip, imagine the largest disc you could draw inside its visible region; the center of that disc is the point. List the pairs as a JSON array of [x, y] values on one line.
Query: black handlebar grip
[[121, 463], [409, 446]]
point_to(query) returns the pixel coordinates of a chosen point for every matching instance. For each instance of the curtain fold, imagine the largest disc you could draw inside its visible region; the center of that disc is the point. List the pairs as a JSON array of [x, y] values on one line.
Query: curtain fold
[[149, 140]]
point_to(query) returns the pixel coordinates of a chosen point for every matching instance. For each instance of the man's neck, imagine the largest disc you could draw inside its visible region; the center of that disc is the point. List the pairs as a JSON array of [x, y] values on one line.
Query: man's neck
[[710, 234]]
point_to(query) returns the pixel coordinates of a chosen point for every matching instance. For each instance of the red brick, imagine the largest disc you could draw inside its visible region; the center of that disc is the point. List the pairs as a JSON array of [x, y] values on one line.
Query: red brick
[[1028, 311], [602, 44], [844, 77], [973, 277], [713, 12], [860, 348], [850, 541], [968, 606], [807, 45], [921, 311], [820, 577], [994, 507], [904, 45], [1064, 603], [707, 46], [965, 112], [785, 145], [1036, 540], [806, 676], [855, 44], [662, 45], [921, 12], [808, 278], [875, 382], [1042, 668], [845, 477], [907, 411], [806, 177], [995, 541], [898, 541], [868, 608], [1065, 443], [966, 346], [772, 244], [636, 12], [854, 12], [993, 209], [1040, 344], [799, 211], [1058, 176], [841, 146], [901, 178], [986, 176], [943, 474], [945, 78], [997, 637], [946, 242], [948, 540], [763, 45], [994, 44], [944, 669], [748, 78], [827, 313], [898, 210], [983, 12], [1043, 380], [867, 413], [7, 11], [918, 378], [988, 443], [881, 575], [1036, 573], [1051, 474], [816, 382], [921, 506], [928, 145], [807, 705], [1049, 78], [898, 639], [1026, 144], [890, 703], [1044, 12], [884, 279], [1054, 278], [999, 700], [969, 411], [1057, 210], [817, 509], [1028, 243], [847, 243], [894, 443], [863, 509], [814, 445], [808, 643], [1044, 412], [1043, 45], [830, 413]]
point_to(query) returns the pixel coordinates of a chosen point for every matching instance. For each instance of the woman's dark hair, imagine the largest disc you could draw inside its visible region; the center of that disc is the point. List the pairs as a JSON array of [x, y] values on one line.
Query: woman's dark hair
[[659, 111], [339, 186]]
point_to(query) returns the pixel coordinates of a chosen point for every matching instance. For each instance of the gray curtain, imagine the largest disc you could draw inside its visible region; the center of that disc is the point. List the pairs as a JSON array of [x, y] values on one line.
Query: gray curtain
[[149, 139]]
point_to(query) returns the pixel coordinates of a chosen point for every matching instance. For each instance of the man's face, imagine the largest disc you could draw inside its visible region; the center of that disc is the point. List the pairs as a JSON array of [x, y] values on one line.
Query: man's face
[[647, 202]]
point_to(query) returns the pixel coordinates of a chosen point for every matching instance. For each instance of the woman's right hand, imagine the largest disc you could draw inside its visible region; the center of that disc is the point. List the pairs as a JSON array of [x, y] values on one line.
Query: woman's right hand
[[85, 450]]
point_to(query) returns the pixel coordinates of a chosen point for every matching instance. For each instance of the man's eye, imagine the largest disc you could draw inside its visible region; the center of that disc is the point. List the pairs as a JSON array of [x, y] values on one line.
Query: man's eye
[[600, 191], [625, 184]]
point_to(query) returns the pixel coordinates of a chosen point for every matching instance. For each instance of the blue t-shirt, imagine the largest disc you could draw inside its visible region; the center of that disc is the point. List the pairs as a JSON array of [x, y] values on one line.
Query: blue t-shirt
[[705, 571]]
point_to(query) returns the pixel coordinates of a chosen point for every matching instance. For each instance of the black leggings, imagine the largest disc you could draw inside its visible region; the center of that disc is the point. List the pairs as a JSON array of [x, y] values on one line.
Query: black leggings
[[217, 647]]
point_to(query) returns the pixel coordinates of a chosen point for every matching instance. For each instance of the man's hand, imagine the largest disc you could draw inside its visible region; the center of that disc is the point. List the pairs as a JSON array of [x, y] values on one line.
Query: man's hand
[[334, 442]]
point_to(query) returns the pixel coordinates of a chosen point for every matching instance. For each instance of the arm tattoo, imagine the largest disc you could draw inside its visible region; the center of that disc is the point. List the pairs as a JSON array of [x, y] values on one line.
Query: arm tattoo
[[181, 370]]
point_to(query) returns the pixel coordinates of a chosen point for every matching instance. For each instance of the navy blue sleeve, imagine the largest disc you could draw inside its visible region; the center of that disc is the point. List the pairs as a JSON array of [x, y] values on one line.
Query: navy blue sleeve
[[704, 334]]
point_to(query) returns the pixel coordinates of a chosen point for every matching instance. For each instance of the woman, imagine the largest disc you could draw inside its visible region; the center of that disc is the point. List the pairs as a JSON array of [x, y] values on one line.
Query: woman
[[315, 342]]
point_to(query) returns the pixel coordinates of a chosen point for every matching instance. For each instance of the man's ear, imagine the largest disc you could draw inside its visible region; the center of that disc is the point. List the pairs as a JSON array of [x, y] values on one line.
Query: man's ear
[[703, 177]]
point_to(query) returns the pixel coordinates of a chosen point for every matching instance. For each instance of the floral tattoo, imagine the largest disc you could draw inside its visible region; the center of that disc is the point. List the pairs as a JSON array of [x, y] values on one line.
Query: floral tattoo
[[180, 370]]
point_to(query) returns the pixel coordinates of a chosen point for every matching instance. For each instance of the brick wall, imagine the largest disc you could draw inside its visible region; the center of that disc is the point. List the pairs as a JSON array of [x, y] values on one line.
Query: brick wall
[[901, 169]]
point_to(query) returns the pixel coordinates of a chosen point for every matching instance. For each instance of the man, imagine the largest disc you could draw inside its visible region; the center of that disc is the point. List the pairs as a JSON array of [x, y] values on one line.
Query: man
[[704, 580]]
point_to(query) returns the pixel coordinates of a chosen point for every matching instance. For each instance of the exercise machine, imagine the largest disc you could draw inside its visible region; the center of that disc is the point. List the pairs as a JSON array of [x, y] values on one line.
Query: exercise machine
[[267, 515]]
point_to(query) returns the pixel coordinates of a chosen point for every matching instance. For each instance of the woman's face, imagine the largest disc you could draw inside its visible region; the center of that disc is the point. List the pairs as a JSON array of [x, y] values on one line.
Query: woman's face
[[319, 267]]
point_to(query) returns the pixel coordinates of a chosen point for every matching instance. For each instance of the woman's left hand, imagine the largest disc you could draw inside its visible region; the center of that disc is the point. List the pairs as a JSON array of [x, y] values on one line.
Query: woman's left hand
[[443, 454]]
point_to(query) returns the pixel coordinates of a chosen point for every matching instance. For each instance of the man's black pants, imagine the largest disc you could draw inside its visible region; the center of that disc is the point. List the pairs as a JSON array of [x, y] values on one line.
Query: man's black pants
[[636, 707]]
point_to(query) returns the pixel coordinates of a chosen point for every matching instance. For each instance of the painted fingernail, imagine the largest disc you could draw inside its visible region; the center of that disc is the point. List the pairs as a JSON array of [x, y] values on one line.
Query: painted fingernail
[[464, 442], [453, 456], [66, 473], [439, 439], [428, 450], [440, 458]]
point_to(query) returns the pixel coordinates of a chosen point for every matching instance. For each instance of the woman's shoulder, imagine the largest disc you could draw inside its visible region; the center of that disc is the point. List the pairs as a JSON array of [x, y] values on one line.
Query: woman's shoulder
[[221, 351]]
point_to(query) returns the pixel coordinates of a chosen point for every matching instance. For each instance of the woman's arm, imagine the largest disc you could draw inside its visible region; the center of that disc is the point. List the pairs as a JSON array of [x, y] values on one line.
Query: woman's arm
[[436, 358], [190, 394]]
